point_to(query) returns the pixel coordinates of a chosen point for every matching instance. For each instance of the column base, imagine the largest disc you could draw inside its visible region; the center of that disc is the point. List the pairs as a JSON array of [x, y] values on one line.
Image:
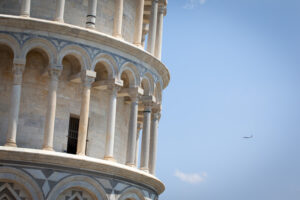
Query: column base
[[139, 45], [118, 36], [131, 165], [144, 169], [59, 20], [80, 154], [48, 148], [10, 144], [109, 158], [90, 26]]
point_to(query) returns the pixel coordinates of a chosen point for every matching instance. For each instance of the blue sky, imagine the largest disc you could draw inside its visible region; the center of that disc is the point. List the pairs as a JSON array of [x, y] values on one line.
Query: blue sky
[[235, 71]]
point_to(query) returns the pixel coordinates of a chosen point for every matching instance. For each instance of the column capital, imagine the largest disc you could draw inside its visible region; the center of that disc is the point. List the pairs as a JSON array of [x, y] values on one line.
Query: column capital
[[147, 102], [147, 107], [87, 78], [108, 84], [114, 88], [156, 116], [18, 69], [156, 108], [134, 98], [55, 71], [162, 9], [135, 93], [132, 92]]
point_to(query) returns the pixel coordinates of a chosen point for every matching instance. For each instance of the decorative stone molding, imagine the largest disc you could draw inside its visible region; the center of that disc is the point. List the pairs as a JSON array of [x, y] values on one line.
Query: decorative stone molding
[[92, 51], [114, 178]]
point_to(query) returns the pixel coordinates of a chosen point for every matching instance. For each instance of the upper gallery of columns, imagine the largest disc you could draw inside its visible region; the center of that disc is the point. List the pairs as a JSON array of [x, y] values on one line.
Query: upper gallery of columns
[[120, 19]]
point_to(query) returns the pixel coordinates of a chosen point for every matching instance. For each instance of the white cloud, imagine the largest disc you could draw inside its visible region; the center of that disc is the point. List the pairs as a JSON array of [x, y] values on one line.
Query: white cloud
[[190, 178], [191, 4]]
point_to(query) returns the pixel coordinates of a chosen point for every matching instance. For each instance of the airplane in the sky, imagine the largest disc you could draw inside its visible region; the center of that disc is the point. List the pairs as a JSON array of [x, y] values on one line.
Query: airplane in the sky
[[248, 137]]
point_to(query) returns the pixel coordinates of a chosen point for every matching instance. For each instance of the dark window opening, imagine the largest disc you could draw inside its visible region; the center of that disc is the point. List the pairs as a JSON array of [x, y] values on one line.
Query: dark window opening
[[73, 135]]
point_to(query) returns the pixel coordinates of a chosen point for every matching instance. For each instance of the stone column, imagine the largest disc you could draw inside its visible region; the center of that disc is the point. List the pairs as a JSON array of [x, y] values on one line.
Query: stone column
[[146, 139], [87, 80], [111, 121], [159, 31], [131, 144], [15, 98], [139, 127], [25, 8], [152, 27], [60, 9], [138, 26], [153, 142], [91, 15], [54, 73], [118, 18]]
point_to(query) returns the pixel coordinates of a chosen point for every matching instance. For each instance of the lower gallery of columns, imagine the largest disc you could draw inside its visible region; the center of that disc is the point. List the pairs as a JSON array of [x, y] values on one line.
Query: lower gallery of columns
[[44, 118]]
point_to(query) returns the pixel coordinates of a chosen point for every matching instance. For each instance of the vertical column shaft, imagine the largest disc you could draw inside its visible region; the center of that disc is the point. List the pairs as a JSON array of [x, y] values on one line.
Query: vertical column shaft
[[131, 144], [111, 121], [84, 113], [137, 143], [118, 18], [15, 98], [152, 27], [54, 73], [25, 8], [153, 143], [138, 26], [60, 9], [91, 15], [159, 32], [146, 139]]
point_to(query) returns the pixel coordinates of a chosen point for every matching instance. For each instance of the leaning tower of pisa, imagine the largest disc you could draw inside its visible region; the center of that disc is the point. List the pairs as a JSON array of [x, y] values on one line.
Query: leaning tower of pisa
[[81, 86]]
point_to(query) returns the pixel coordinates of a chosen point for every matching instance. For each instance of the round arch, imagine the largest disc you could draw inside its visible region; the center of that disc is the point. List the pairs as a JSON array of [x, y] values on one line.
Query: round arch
[[147, 80], [11, 43], [132, 73], [109, 62], [42, 44], [78, 52], [80, 182], [9, 174], [132, 194]]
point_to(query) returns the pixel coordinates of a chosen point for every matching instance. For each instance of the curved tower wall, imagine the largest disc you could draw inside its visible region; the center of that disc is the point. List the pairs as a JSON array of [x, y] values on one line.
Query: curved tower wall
[[77, 60]]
